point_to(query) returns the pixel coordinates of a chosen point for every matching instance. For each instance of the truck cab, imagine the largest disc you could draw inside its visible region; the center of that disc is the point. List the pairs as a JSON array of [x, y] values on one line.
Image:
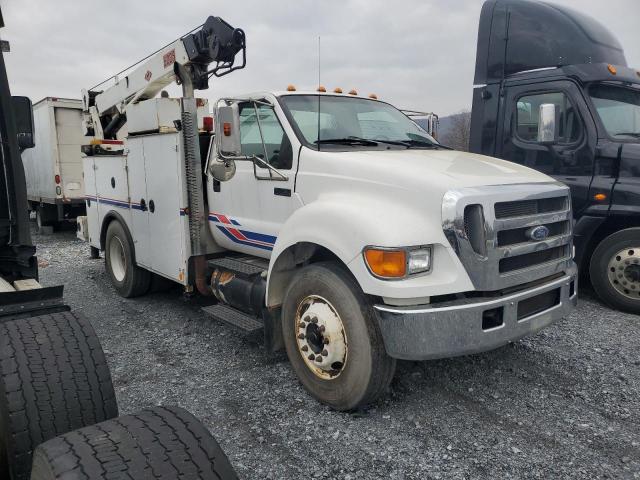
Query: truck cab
[[566, 63], [331, 223]]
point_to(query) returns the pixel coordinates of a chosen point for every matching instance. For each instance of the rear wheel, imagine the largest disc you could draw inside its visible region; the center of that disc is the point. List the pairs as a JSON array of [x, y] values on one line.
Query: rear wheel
[[54, 378], [615, 270], [332, 338], [162, 442], [128, 279]]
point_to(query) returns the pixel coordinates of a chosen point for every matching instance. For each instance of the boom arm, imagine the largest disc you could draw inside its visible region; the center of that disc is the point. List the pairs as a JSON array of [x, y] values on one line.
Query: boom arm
[[185, 61]]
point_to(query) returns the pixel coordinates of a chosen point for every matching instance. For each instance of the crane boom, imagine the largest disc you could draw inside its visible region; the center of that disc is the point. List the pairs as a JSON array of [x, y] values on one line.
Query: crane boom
[[185, 61]]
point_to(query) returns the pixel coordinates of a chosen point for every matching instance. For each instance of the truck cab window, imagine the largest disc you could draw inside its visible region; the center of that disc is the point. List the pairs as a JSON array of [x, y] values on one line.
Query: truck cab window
[[273, 138], [619, 110], [528, 108]]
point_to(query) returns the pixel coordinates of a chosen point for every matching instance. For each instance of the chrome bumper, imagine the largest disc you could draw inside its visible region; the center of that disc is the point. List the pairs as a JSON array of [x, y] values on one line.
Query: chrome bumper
[[477, 325]]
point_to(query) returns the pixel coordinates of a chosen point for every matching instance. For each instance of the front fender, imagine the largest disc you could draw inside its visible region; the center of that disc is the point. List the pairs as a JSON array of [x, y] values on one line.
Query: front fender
[[345, 225]]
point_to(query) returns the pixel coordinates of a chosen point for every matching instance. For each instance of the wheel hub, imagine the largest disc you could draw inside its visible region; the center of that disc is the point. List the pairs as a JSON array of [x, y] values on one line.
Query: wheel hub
[[117, 259], [320, 337], [624, 272]]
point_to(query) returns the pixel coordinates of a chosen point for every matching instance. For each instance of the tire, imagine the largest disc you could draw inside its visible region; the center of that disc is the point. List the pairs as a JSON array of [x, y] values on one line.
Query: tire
[[162, 442], [94, 253], [128, 279], [355, 369], [53, 379], [46, 216], [620, 287]]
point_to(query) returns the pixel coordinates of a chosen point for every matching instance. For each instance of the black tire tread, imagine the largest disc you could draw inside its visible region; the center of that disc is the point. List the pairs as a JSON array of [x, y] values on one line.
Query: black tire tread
[[157, 443], [140, 279], [54, 378]]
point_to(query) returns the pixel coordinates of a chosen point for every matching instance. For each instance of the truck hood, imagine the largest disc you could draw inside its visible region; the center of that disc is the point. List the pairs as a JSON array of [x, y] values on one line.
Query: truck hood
[[437, 169]]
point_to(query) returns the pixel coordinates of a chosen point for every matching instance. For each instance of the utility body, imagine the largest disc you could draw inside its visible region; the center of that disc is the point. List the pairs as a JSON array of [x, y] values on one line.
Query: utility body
[[534, 56], [332, 223], [53, 168]]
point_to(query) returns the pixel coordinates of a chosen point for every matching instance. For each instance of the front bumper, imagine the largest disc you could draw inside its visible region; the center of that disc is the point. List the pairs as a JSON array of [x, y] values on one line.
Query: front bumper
[[475, 325]]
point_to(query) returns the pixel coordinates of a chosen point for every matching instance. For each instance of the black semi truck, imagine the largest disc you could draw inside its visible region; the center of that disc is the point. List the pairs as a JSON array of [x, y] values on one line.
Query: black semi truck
[[20, 293], [553, 91]]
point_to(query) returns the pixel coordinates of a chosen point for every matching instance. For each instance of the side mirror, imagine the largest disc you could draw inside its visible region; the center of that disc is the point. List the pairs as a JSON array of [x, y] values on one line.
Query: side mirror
[[228, 131], [23, 113], [547, 126]]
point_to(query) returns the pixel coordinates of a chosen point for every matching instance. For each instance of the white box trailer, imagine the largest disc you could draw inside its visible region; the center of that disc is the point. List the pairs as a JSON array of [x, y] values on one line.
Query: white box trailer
[[53, 169]]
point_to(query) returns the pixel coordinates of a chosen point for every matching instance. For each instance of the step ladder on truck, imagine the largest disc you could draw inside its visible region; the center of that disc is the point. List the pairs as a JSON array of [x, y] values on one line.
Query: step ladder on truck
[[330, 222]]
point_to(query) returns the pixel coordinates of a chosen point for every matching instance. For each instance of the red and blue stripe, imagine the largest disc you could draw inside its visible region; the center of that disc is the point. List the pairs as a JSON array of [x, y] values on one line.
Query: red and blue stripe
[[243, 237]]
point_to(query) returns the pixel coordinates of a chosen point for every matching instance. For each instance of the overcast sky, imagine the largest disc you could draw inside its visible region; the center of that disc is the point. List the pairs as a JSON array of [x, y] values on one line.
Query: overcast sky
[[417, 54]]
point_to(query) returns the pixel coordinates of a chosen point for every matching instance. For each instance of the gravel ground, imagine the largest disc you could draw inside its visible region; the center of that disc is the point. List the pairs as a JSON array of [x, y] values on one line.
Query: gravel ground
[[563, 404]]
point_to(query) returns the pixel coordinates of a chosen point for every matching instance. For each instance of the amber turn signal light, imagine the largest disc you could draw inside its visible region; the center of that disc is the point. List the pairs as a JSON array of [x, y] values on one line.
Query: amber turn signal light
[[599, 197], [226, 129], [386, 263]]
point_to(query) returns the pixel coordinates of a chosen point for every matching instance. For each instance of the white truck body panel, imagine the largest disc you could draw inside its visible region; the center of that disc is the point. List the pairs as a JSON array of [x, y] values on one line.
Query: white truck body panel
[[58, 130]]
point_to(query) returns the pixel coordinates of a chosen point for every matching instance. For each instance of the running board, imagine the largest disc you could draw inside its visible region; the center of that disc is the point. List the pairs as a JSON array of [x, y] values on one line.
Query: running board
[[236, 318]]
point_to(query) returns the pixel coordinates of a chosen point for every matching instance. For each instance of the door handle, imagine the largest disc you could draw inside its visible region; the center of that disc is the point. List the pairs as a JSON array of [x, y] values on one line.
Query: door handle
[[152, 206], [143, 205], [282, 192]]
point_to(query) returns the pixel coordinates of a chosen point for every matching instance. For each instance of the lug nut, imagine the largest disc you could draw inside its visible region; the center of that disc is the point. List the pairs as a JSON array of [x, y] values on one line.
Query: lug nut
[[304, 348], [322, 328], [314, 320], [326, 341], [302, 325], [307, 318], [318, 359], [311, 357], [301, 336], [325, 353]]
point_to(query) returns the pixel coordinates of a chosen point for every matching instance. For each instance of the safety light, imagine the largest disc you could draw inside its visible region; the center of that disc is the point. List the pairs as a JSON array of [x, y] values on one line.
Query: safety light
[[386, 263], [321, 89], [600, 197], [612, 69], [226, 129], [353, 92], [339, 90], [397, 263], [291, 88], [58, 190], [57, 179], [207, 124]]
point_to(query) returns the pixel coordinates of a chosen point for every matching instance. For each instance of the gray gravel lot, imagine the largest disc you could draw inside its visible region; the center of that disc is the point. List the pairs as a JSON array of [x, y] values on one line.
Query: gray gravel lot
[[563, 404]]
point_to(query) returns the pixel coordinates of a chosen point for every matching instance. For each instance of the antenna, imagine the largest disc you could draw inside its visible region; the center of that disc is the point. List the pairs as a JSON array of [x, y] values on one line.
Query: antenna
[[319, 83]]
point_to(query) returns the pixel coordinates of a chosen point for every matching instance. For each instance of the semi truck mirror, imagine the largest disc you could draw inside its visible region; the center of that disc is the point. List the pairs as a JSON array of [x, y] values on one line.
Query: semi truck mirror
[[23, 112], [228, 131], [547, 133]]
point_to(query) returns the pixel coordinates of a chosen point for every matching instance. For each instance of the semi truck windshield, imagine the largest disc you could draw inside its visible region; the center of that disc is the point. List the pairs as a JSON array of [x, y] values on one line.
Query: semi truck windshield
[[353, 122], [619, 110]]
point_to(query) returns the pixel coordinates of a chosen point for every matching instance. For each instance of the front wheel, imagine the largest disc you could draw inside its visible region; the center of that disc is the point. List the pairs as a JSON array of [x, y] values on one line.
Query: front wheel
[[128, 279], [332, 338], [615, 270]]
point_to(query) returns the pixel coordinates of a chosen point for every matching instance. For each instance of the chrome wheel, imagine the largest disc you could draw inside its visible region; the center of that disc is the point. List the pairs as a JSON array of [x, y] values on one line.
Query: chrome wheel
[[624, 272], [321, 338], [117, 259]]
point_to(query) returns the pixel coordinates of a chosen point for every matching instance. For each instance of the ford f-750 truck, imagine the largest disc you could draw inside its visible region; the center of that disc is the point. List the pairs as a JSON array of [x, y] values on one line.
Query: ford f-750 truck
[[546, 67], [330, 221]]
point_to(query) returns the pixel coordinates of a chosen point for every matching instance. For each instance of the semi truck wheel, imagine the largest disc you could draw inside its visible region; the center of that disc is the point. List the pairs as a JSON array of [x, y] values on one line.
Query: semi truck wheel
[[162, 442], [332, 338], [128, 279], [615, 270], [53, 379]]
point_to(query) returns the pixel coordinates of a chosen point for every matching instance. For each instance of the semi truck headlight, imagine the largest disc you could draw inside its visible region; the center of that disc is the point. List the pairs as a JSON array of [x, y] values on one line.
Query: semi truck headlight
[[396, 263]]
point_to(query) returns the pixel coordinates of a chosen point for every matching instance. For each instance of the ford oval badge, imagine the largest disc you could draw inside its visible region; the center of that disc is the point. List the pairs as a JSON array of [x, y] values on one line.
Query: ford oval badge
[[539, 233]]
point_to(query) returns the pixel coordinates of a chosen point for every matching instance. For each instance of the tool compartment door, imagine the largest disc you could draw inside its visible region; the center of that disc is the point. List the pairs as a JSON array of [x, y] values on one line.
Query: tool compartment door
[[93, 220], [136, 174], [165, 184]]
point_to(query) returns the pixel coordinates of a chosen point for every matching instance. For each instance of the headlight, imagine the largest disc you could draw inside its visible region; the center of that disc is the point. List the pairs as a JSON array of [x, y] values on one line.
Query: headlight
[[396, 263]]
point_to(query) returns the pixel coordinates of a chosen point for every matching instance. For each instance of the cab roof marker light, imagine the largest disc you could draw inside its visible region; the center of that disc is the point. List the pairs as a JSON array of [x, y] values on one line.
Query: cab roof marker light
[[339, 90], [291, 88], [353, 92], [322, 89], [373, 96]]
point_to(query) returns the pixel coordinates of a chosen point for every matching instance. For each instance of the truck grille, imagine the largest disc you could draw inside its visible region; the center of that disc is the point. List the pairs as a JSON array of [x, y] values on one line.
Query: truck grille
[[493, 234]]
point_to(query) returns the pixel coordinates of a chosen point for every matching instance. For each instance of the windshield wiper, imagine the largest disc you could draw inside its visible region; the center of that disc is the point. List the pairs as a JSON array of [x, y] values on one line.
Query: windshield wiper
[[418, 143], [629, 134], [347, 141]]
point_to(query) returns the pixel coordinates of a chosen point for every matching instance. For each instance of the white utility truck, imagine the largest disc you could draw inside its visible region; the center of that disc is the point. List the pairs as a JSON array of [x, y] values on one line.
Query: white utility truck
[[53, 168], [331, 222]]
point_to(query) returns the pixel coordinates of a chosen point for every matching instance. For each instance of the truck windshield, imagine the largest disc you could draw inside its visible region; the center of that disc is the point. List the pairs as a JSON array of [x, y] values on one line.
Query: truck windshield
[[348, 122], [619, 110]]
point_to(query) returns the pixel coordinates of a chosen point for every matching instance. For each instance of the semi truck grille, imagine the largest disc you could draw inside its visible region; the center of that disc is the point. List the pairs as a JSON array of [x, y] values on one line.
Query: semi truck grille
[[530, 207], [503, 242]]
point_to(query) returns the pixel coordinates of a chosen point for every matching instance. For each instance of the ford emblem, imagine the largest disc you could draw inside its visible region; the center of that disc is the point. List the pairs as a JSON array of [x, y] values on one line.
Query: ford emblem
[[539, 233]]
